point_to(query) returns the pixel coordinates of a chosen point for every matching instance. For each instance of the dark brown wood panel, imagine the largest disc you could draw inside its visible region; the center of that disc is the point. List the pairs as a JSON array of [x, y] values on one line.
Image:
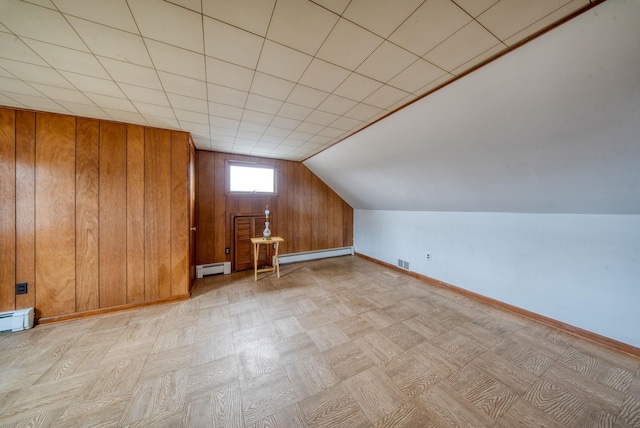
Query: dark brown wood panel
[[135, 214], [113, 214], [25, 206], [304, 211], [179, 214], [87, 214], [55, 215], [157, 264], [7, 209]]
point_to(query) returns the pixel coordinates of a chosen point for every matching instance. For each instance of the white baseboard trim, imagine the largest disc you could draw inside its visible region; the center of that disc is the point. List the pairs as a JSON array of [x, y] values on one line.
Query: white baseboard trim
[[315, 255]]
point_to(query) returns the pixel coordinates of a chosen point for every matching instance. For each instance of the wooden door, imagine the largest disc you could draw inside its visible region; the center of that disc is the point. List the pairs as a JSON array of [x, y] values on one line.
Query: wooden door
[[192, 216], [246, 227]]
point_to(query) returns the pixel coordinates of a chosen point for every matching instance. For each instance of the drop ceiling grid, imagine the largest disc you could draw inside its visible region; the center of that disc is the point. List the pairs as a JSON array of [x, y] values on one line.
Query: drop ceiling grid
[[285, 78]]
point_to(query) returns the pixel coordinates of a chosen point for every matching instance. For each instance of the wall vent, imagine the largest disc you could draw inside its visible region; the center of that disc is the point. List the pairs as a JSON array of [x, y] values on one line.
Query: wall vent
[[212, 269], [404, 264]]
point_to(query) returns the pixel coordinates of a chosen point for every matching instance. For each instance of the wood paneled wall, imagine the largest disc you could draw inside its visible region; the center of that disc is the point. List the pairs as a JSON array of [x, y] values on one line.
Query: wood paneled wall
[[305, 211], [94, 214]]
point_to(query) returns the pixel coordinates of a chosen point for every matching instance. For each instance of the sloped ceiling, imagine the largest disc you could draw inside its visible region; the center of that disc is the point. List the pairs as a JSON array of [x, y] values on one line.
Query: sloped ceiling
[[552, 127], [273, 78]]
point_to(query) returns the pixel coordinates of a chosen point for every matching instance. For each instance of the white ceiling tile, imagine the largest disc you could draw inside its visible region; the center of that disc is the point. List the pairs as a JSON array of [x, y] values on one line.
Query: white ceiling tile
[[39, 23], [272, 87], [183, 85], [403, 102], [10, 102], [197, 128], [225, 95], [321, 118], [227, 132], [107, 102], [68, 59], [146, 95], [299, 135], [188, 103], [324, 76], [475, 7], [331, 132], [282, 61], [386, 61], [247, 135], [224, 110], [62, 94], [293, 111], [336, 6], [176, 60], [486, 55], [252, 127], [154, 110], [257, 117], [113, 13], [385, 97], [357, 87], [192, 116], [12, 47], [126, 116], [380, 16], [223, 122], [39, 103], [249, 15], [346, 123], [337, 105], [417, 75], [5, 73], [362, 112], [467, 43], [227, 74], [290, 143], [285, 123], [319, 139], [195, 5], [123, 72], [15, 86], [310, 128], [434, 85], [348, 45], [271, 140], [93, 85], [263, 104], [169, 23], [432, 23], [112, 43], [162, 122], [301, 25], [231, 44], [34, 73], [305, 96], [44, 3], [276, 132], [84, 110]]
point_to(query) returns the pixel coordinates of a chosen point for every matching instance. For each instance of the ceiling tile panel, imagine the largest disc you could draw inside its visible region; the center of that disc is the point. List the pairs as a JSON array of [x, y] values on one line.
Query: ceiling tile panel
[[176, 60], [188, 103], [107, 102], [62, 58], [224, 110], [257, 117], [272, 87], [183, 85], [126, 116], [331, 132], [386, 61], [225, 95], [10, 102], [416, 76], [363, 112], [162, 122], [249, 15], [227, 74], [34, 73], [281, 61], [385, 97], [357, 87], [263, 104], [154, 110], [475, 7], [131, 74], [337, 105], [486, 55], [310, 128], [346, 123], [112, 43], [467, 43], [380, 16], [223, 122], [277, 132], [195, 5], [293, 111], [285, 123], [112, 13], [429, 25], [169, 23], [219, 131], [145, 95], [253, 127], [192, 117], [39, 103], [336, 6], [231, 44], [93, 85], [15, 86], [323, 75], [305, 96], [321, 117], [11, 47], [57, 93], [348, 45], [301, 25], [84, 110], [39, 23]]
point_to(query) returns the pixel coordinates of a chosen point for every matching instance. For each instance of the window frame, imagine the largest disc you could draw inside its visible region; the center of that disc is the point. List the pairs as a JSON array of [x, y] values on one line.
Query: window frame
[[269, 166]]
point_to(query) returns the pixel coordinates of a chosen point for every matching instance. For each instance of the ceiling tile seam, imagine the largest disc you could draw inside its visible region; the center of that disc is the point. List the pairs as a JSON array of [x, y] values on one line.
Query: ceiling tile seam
[[204, 49], [486, 61]]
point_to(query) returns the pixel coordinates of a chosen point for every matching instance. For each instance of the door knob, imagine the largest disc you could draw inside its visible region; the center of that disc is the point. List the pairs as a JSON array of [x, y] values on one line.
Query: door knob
[[193, 229]]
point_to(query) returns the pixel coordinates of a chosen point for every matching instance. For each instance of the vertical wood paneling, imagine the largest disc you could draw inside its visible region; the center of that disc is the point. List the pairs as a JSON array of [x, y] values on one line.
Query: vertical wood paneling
[[220, 241], [25, 206], [338, 220], [179, 214], [324, 218], [55, 215], [87, 214], [315, 209], [7, 209], [113, 214], [135, 214], [157, 156]]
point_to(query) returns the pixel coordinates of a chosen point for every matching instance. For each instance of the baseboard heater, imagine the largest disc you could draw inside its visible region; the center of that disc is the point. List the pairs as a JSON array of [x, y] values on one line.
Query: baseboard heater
[[212, 269], [20, 319], [315, 255]]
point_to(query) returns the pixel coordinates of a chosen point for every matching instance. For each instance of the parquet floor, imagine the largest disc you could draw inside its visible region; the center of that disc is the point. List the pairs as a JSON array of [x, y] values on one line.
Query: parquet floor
[[341, 342]]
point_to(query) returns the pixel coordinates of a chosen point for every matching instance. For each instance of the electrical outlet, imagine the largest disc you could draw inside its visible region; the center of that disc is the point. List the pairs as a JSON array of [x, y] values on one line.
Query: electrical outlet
[[428, 257], [22, 288], [227, 250]]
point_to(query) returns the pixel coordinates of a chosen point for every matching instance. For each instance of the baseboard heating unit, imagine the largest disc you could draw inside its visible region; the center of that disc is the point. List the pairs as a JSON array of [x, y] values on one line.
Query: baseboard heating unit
[[20, 319], [212, 269], [315, 255]]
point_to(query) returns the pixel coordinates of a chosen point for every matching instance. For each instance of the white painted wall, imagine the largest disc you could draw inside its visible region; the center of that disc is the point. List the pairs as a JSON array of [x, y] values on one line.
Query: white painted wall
[[583, 270]]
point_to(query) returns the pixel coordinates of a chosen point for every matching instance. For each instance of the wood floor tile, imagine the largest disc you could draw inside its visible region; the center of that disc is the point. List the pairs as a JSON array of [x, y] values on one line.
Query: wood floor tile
[[295, 347], [252, 338], [458, 346], [285, 327], [289, 417], [505, 371], [212, 347], [403, 336], [375, 393], [334, 407], [630, 411], [406, 416], [258, 361], [311, 375], [448, 408], [264, 395], [222, 408], [327, 336], [348, 360], [101, 410], [524, 357], [555, 401], [409, 373], [426, 327], [162, 363], [355, 327], [378, 347], [523, 415], [213, 376], [598, 369]]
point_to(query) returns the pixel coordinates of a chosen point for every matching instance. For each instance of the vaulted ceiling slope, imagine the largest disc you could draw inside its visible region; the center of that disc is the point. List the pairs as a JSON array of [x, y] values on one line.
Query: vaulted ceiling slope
[[273, 78], [552, 127]]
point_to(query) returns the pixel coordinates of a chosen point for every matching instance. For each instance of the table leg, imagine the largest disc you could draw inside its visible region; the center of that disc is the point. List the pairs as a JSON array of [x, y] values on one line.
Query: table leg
[[276, 261], [255, 262]]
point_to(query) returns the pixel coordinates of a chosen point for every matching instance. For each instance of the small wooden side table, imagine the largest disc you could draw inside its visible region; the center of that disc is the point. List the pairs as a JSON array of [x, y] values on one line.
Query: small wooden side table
[[256, 250]]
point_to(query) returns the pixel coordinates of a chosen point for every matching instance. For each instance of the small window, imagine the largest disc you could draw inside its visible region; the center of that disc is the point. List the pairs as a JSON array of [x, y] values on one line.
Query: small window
[[252, 178]]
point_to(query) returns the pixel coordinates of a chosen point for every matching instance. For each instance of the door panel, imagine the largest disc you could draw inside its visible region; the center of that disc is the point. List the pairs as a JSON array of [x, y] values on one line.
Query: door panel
[[246, 227]]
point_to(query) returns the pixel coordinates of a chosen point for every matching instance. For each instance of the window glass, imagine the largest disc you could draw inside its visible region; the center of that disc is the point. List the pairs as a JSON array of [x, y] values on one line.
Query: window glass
[[252, 178]]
